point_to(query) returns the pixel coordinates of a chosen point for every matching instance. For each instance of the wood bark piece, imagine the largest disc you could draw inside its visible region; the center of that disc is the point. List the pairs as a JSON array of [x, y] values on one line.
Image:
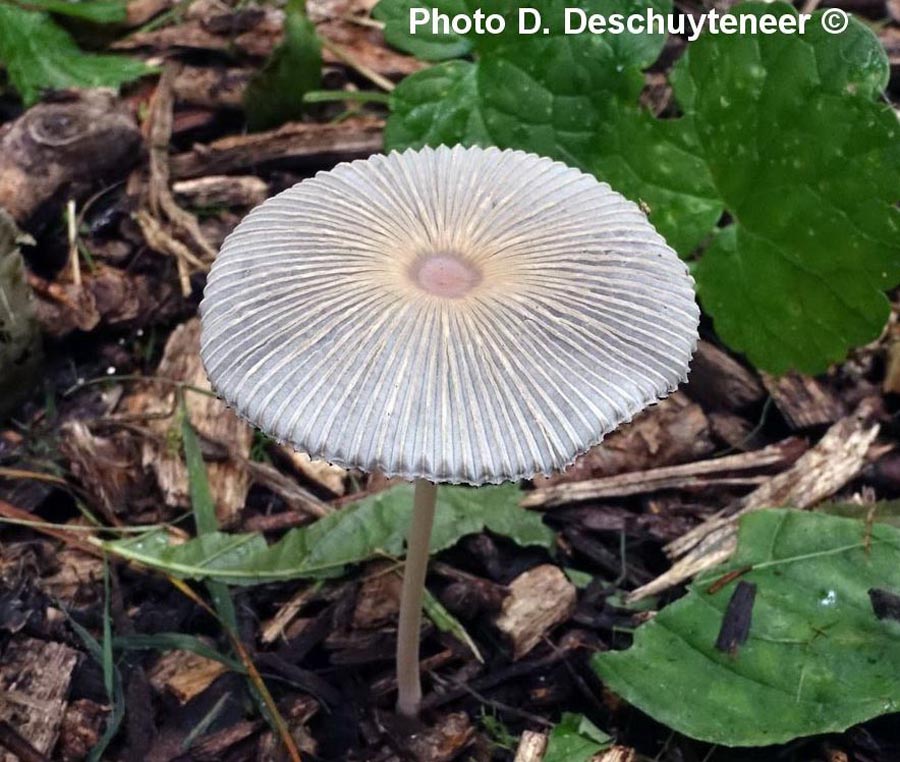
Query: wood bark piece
[[212, 26], [674, 431], [837, 458], [212, 747], [107, 295], [81, 729], [686, 475], [59, 147], [368, 48], [273, 629], [228, 481], [803, 401], [531, 747], [378, 599], [734, 430], [109, 468], [443, 741], [538, 600], [616, 754], [320, 472], [184, 674], [720, 382], [222, 190], [891, 383], [212, 87], [352, 138], [21, 749], [34, 681], [74, 577]]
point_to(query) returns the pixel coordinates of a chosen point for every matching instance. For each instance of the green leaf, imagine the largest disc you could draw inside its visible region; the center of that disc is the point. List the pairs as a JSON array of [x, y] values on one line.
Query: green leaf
[[575, 739], [39, 55], [817, 659], [424, 44], [544, 93], [275, 95], [788, 134], [96, 11], [204, 510], [808, 165], [372, 527], [659, 162]]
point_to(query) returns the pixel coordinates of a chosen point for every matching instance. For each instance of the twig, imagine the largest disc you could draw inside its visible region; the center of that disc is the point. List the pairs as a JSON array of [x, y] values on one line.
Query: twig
[[74, 260], [18, 473], [498, 705], [354, 63], [531, 747], [275, 627], [10, 511]]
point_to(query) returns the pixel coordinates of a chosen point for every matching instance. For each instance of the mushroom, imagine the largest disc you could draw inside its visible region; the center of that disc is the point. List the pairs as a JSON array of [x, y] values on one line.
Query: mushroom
[[459, 315]]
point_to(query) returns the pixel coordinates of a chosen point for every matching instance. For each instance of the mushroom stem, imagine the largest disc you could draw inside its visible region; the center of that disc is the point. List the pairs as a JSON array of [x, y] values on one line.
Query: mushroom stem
[[409, 686]]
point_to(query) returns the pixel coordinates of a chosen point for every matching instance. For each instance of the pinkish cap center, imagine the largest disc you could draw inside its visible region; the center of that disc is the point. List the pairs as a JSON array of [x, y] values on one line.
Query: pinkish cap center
[[445, 275]]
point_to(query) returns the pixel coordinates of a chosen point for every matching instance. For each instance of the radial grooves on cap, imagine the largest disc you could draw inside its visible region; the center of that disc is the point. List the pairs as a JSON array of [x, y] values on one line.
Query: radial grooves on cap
[[313, 331]]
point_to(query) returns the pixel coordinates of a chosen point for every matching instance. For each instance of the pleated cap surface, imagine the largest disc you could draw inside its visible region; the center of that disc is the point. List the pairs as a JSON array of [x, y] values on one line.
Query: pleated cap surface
[[462, 315]]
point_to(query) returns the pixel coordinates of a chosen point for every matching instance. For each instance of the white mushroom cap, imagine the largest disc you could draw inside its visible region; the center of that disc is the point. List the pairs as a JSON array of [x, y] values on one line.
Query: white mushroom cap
[[461, 315]]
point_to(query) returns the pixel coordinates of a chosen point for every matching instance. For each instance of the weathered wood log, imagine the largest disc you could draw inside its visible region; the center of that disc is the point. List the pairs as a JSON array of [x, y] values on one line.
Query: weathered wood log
[[58, 149], [616, 754]]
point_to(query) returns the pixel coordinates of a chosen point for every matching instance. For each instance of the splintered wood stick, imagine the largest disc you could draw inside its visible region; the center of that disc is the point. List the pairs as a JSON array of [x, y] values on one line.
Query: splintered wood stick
[[669, 477], [819, 473], [74, 261], [531, 747]]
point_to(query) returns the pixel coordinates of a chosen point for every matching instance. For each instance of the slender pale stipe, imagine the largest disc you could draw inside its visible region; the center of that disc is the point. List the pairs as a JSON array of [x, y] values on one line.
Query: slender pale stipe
[[408, 683]]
